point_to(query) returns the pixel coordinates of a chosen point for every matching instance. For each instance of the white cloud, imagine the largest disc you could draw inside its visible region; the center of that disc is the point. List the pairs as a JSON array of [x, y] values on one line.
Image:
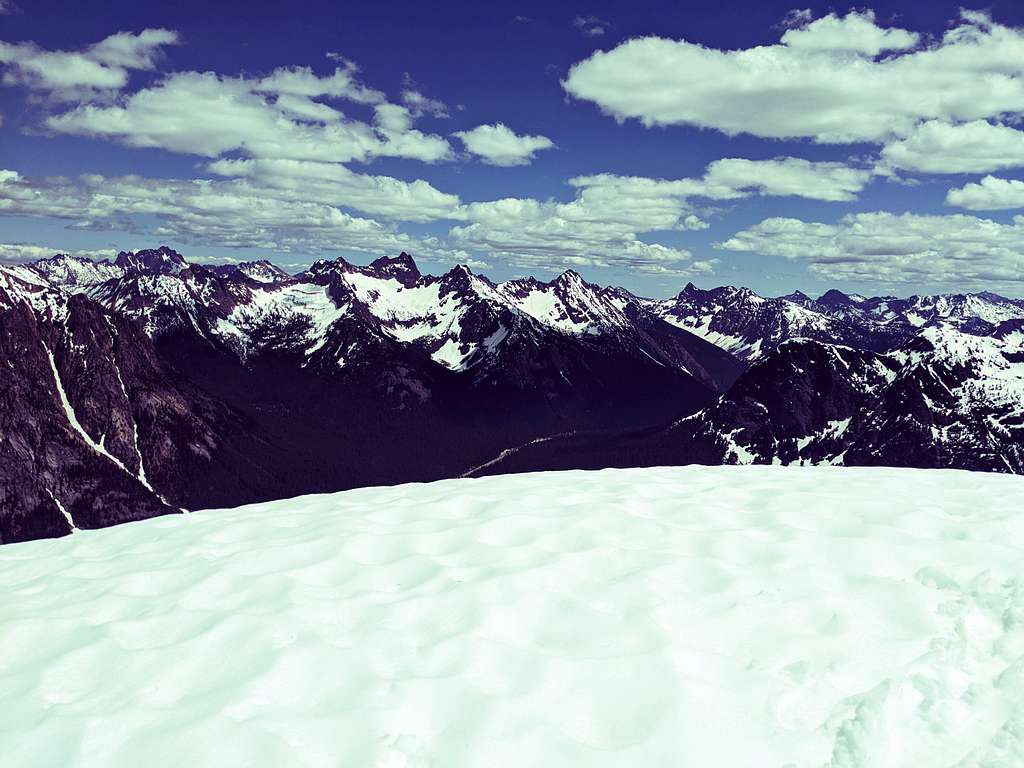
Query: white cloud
[[222, 213], [989, 194], [99, 70], [939, 147], [586, 231], [310, 206], [591, 26], [789, 176], [419, 104], [821, 81], [890, 248], [729, 179], [131, 51], [604, 223], [209, 115], [32, 251], [856, 32], [302, 81], [335, 184], [499, 145], [797, 17]]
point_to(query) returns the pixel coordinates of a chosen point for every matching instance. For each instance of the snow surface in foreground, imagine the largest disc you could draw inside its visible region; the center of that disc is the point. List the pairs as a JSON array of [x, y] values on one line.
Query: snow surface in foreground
[[728, 616]]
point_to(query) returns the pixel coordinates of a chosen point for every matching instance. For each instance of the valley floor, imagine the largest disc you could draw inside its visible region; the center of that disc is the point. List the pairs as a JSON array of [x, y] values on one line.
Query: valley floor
[[699, 616]]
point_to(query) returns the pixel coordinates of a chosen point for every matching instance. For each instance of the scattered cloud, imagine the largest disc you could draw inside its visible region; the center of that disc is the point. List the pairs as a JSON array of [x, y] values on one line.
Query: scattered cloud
[[825, 80], [9, 8], [895, 248], [18, 252], [343, 83], [591, 26], [231, 213], [830, 181], [419, 104], [797, 17], [989, 194], [273, 117], [603, 225], [498, 145], [98, 71], [309, 206], [334, 184], [935, 146]]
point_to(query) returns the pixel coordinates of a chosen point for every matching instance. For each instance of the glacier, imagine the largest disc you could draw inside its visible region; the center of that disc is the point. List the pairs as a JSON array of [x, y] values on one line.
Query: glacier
[[705, 616]]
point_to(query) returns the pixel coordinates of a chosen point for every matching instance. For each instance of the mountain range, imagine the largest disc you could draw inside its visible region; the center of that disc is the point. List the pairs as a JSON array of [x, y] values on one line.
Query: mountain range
[[146, 384]]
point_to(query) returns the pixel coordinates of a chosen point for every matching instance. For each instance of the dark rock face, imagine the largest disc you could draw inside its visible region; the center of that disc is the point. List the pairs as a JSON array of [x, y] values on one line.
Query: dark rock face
[[95, 430], [946, 399], [137, 386], [159, 261]]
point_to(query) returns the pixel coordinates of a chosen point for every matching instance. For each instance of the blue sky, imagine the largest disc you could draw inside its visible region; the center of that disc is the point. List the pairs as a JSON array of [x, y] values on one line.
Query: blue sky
[[646, 145]]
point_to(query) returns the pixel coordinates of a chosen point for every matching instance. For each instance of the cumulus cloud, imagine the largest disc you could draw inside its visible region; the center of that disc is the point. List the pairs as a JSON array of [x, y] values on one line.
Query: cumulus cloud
[[334, 184], [232, 213], [98, 70], [977, 146], [989, 194], [783, 176], [208, 114], [856, 32], [730, 179], [604, 223], [824, 80], [498, 145], [595, 229], [302, 81], [310, 206], [892, 248]]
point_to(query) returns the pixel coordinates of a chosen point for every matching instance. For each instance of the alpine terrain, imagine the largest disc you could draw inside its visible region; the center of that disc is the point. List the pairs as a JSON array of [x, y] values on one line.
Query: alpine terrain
[[146, 384]]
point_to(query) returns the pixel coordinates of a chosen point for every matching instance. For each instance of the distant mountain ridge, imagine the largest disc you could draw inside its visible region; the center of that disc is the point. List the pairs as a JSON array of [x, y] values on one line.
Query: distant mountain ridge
[[191, 385]]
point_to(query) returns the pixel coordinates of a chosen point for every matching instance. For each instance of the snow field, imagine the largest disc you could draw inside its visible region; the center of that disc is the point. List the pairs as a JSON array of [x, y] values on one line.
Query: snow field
[[699, 616]]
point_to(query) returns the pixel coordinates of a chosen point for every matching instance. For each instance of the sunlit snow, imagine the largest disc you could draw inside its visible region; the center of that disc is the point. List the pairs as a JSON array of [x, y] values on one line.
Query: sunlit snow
[[726, 616]]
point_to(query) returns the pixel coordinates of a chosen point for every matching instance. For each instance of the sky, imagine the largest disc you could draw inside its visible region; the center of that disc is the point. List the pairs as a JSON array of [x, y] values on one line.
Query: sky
[[874, 149]]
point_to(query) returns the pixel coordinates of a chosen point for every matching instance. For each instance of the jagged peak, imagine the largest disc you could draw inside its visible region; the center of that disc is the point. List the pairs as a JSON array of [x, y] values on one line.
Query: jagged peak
[[162, 260], [59, 258], [402, 267], [459, 270], [798, 297], [569, 277], [835, 298], [261, 270], [691, 291], [322, 266]]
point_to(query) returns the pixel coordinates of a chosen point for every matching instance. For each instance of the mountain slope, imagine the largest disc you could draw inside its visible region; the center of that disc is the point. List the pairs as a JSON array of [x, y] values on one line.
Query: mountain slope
[[945, 399], [142, 384], [187, 385], [96, 430], [751, 326]]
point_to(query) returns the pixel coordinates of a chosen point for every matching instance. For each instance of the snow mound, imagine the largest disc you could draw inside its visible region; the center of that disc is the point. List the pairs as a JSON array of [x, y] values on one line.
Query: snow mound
[[722, 616]]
